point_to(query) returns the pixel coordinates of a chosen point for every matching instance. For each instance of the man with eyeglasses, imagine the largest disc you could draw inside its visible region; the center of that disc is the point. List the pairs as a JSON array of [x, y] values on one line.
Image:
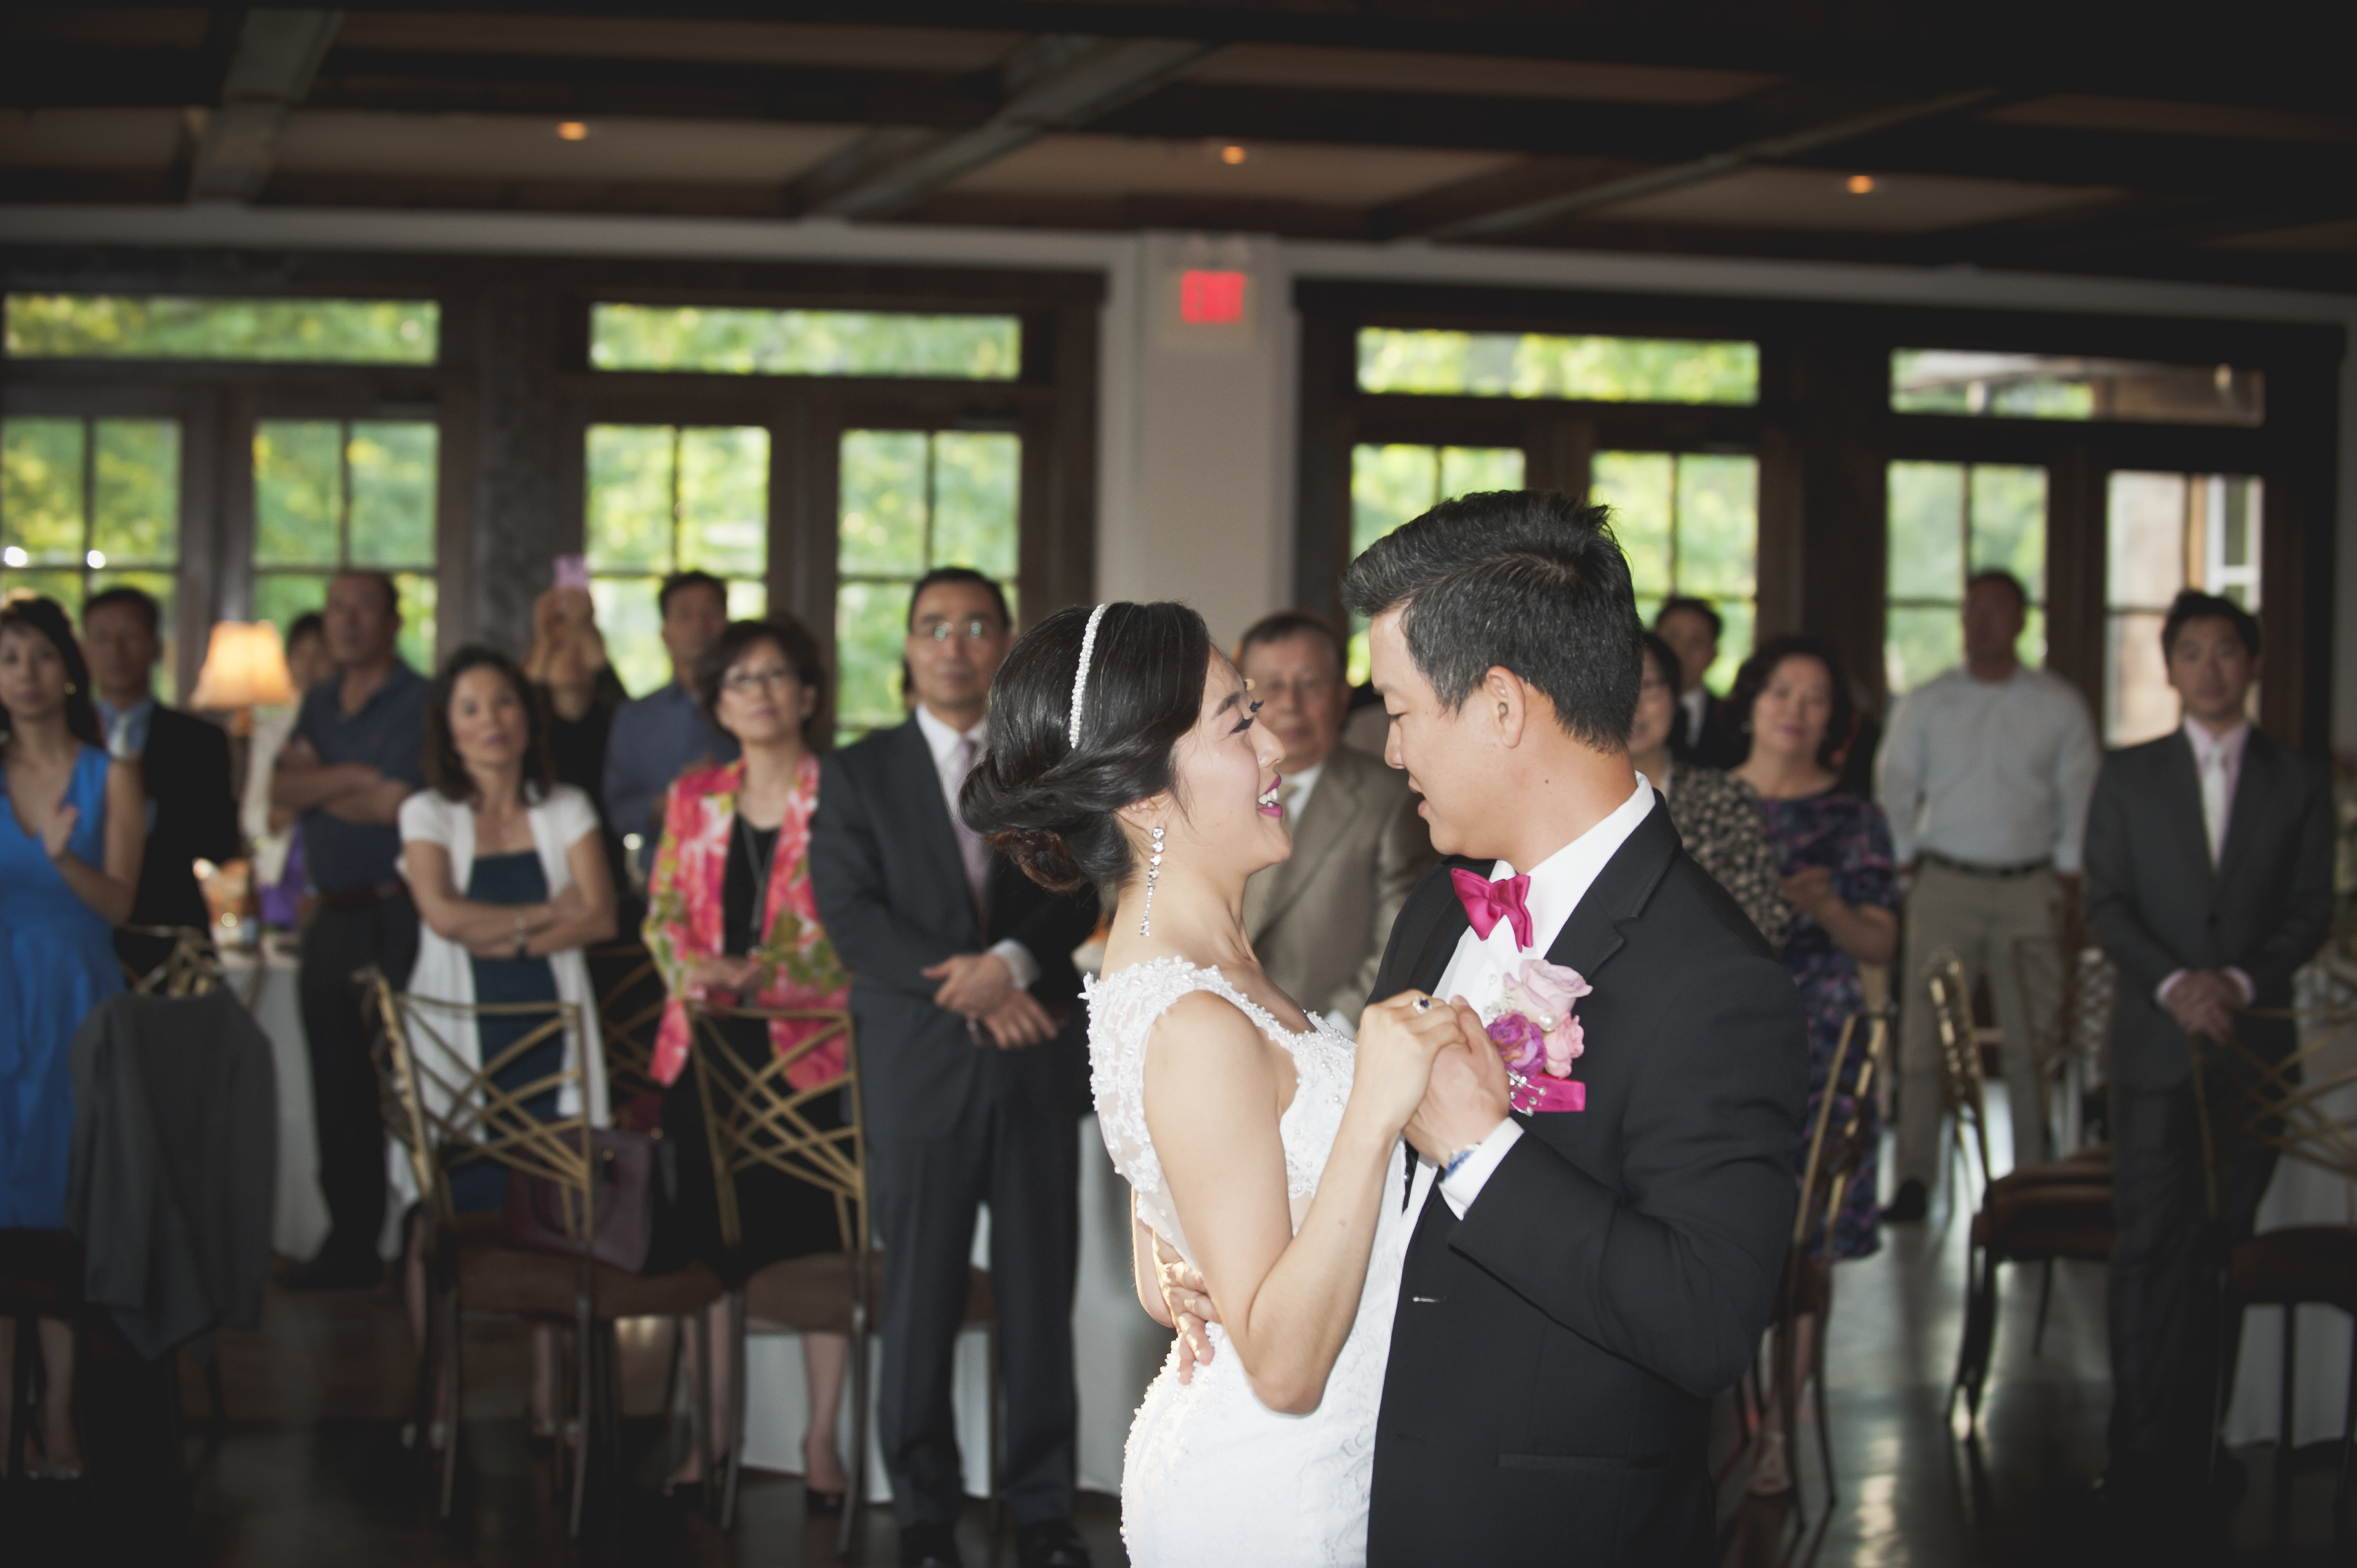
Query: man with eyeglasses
[[973, 1070], [1319, 920]]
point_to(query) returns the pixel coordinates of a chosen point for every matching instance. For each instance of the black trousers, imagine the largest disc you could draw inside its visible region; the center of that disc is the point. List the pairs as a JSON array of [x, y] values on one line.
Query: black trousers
[[1008, 1152], [338, 1025], [2166, 1268]]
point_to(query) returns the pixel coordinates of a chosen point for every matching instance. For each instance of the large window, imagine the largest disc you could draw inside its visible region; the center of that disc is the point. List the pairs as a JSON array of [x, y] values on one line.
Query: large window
[[113, 326], [2168, 532], [1393, 484], [1949, 520], [665, 498], [2058, 386], [910, 500], [1537, 365], [1689, 523], [805, 342], [88, 504], [330, 495]]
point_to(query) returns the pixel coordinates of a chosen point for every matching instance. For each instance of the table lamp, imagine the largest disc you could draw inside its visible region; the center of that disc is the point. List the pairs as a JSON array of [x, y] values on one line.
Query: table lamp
[[246, 668]]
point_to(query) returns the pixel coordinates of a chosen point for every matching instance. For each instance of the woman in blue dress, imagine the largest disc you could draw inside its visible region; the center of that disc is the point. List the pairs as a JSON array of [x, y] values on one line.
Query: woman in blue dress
[[1834, 848], [69, 846]]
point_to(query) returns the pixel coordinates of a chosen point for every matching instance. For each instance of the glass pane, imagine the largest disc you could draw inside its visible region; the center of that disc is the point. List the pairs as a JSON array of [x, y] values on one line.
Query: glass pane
[[870, 626], [632, 628], [976, 475], [1920, 643], [1390, 486], [392, 472], [348, 331], [805, 342], [164, 588], [417, 592], [2009, 524], [279, 597], [2231, 505], [296, 474], [2145, 532], [137, 519], [882, 520], [2031, 648], [1467, 470], [748, 599], [1735, 639], [1636, 486], [1926, 547], [1605, 370], [2138, 703], [629, 528], [41, 491], [1718, 525], [2048, 386], [723, 501], [63, 586]]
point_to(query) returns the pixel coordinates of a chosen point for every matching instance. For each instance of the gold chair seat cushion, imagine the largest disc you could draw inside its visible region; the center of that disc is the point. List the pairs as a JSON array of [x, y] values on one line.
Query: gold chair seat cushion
[[497, 1278], [2086, 1168], [812, 1295], [2298, 1263], [2061, 1219]]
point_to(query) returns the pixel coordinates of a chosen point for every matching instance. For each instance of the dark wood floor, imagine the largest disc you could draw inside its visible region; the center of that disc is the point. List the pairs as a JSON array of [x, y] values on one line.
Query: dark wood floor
[[309, 1472]]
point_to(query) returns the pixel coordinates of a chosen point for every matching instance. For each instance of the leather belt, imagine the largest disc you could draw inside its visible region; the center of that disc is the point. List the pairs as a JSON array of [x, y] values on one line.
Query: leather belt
[[362, 897], [1994, 872]]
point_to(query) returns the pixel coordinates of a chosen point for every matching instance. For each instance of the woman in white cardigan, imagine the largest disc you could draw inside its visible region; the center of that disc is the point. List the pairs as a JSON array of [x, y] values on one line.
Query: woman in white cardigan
[[510, 881]]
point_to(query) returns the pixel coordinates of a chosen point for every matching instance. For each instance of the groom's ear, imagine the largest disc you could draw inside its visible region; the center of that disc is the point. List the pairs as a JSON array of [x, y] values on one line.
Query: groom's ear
[[1507, 699]]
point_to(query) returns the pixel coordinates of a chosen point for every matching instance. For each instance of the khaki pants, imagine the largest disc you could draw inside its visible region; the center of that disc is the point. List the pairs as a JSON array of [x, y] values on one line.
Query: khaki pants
[[1978, 918]]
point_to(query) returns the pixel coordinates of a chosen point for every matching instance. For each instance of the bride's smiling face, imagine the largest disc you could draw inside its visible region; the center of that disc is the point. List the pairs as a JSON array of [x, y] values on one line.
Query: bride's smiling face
[[1225, 772]]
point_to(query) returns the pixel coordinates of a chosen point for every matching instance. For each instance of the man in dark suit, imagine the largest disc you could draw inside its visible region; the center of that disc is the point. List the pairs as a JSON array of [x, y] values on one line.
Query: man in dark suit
[[1704, 732], [184, 761], [973, 1068], [2209, 883], [1585, 1282]]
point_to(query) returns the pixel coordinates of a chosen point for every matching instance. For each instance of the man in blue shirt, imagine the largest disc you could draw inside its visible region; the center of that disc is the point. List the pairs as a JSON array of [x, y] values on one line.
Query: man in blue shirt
[[663, 734], [356, 753]]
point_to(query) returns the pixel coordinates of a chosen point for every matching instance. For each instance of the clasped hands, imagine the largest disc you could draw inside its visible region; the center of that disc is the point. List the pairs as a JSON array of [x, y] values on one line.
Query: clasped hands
[[2203, 1002], [980, 989]]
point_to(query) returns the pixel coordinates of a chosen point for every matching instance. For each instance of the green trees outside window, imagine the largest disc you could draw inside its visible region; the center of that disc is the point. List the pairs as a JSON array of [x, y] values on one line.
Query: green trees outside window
[[751, 342], [1947, 522], [2168, 532], [1396, 483], [665, 498], [89, 504], [1537, 365], [115, 326], [1689, 523], [330, 495]]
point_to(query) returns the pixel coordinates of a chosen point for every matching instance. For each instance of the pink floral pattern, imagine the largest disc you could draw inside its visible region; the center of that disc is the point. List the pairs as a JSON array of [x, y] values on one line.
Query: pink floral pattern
[[685, 918]]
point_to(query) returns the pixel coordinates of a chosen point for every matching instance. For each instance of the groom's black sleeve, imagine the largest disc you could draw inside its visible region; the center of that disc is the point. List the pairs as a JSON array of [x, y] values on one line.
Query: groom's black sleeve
[[1674, 1268]]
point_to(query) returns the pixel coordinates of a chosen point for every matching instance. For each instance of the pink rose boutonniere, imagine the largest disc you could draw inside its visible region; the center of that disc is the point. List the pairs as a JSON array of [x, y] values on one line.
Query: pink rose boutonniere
[[1538, 1039]]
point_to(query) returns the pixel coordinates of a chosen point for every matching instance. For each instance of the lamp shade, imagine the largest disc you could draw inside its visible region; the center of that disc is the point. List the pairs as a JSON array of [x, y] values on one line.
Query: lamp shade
[[245, 667]]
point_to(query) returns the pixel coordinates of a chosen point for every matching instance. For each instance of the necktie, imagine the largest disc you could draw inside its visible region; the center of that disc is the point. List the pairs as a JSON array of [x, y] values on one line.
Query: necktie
[[2214, 801], [1486, 903], [970, 849]]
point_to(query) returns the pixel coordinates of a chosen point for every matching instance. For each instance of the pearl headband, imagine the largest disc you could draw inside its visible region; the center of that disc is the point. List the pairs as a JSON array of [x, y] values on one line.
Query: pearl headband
[[1081, 676]]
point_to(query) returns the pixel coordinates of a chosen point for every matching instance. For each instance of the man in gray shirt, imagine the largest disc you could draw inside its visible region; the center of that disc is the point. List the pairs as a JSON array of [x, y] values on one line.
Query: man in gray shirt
[[658, 735]]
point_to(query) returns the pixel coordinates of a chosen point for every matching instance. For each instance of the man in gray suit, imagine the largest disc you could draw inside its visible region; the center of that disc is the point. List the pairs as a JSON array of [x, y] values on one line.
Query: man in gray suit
[[1319, 920], [2208, 882]]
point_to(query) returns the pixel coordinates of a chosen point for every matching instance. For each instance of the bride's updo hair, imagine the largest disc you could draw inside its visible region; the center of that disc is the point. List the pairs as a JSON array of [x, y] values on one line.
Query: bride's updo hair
[[1049, 805]]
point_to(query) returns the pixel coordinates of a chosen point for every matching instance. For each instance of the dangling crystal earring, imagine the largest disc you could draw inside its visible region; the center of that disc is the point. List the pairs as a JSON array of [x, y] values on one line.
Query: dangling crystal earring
[[1153, 874]]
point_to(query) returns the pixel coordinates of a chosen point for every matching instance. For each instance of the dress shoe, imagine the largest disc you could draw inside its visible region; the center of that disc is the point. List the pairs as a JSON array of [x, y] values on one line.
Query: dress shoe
[[325, 1272], [1907, 1204], [929, 1546], [1052, 1543]]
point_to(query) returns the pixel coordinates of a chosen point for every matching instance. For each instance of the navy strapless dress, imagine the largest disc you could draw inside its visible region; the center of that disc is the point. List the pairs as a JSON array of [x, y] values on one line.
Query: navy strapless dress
[[516, 879]]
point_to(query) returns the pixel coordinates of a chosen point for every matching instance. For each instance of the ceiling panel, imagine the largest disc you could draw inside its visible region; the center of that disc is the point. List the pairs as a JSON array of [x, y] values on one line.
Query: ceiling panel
[[1766, 198], [89, 138], [1086, 166], [528, 148], [127, 28], [1395, 71]]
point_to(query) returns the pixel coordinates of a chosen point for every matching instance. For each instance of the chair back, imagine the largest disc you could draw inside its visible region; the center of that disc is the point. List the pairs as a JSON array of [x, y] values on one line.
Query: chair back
[[630, 1012], [2288, 1105], [193, 968], [2066, 996], [1963, 1089], [1839, 1143], [449, 1109], [756, 1117]]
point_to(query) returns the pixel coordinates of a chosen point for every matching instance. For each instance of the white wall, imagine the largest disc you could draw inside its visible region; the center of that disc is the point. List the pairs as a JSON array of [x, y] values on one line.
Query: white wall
[[1197, 459]]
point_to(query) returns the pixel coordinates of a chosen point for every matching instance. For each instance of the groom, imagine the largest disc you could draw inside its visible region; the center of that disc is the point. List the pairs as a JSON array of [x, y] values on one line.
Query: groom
[[1584, 1283]]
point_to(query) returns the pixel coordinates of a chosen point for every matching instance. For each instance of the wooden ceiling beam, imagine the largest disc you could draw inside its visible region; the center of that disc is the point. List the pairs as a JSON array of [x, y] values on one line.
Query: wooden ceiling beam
[[277, 54]]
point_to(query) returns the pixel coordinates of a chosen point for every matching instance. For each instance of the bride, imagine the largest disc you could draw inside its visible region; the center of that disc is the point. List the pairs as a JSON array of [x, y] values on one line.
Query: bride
[[1259, 1140]]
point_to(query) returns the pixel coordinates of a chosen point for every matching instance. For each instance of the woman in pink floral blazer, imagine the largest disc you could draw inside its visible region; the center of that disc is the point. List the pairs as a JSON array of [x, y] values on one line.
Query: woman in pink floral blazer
[[730, 921]]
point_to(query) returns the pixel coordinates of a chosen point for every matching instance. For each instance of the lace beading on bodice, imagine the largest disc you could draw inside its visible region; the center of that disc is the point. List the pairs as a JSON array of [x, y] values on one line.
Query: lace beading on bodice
[[1123, 1010]]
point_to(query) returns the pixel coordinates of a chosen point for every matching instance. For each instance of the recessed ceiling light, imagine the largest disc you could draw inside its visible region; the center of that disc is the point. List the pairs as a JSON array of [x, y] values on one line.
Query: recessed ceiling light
[[1861, 185], [1233, 155], [572, 131]]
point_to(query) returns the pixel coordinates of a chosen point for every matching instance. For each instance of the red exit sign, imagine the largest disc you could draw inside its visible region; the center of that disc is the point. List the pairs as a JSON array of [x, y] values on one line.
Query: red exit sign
[[1208, 297]]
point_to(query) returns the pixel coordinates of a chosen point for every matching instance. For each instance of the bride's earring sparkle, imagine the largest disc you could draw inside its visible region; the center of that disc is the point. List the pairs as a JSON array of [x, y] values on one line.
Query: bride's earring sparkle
[[1152, 875]]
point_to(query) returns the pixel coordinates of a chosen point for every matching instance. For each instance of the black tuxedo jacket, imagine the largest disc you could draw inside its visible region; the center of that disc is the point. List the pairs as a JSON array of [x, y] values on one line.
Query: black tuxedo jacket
[[185, 771], [892, 891], [2157, 905], [1720, 745], [1557, 1351]]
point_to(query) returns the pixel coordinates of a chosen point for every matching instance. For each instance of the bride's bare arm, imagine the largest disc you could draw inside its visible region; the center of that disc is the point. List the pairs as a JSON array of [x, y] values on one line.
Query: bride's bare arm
[[1287, 1298]]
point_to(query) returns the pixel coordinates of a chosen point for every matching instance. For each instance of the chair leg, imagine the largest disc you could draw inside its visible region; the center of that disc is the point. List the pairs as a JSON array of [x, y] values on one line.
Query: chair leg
[[696, 1328], [1971, 1323], [2348, 1423], [453, 1406], [740, 1383], [2045, 1298], [584, 1351], [2290, 1386], [1984, 1347], [1824, 1422], [855, 1503], [993, 1426]]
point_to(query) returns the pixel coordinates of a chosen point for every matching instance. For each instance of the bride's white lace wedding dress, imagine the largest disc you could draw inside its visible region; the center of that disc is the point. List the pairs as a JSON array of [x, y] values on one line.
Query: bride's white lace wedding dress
[[1211, 1475]]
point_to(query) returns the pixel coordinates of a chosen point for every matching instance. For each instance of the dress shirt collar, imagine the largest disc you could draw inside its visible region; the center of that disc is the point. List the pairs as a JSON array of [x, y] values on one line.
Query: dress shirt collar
[[1303, 783], [125, 727], [1692, 706], [1560, 881], [2227, 748], [942, 741]]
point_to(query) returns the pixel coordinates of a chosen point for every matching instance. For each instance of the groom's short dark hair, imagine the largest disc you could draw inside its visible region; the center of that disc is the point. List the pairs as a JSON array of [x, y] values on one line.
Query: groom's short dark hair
[[1530, 580]]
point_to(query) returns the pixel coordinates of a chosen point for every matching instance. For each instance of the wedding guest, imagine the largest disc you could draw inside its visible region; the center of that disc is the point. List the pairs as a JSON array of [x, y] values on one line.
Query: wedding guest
[[510, 883], [1985, 776], [190, 813], [69, 851], [1702, 733], [1834, 848], [656, 737], [1319, 920], [963, 987], [355, 755], [568, 668], [277, 847], [1717, 814], [2209, 883], [731, 920]]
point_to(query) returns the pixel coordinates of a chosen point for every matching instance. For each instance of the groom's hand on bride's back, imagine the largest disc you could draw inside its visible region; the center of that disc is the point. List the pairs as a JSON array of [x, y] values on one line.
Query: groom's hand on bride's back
[[1466, 1096]]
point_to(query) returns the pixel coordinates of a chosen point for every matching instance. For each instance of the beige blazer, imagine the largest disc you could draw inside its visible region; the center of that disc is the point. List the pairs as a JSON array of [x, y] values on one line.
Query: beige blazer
[[1320, 921]]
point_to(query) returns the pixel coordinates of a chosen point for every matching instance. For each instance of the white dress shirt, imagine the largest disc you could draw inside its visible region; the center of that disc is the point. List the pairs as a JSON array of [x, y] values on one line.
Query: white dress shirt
[[1296, 788], [1479, 968], [1990, 773], [2218, 764], [944, 741], [1693, 705]]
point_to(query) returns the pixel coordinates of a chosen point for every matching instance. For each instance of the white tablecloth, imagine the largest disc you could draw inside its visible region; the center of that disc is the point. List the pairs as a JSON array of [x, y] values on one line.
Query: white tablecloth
[[1116, 1350], [266, 983]]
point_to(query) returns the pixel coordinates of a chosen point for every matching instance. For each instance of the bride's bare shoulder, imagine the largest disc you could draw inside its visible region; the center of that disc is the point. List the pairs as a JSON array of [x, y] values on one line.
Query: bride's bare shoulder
[[1204, 1046]]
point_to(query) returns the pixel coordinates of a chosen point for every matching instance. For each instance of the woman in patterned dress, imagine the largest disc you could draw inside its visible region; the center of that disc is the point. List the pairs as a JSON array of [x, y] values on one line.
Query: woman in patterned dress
[[731, 920], [1792, 701]]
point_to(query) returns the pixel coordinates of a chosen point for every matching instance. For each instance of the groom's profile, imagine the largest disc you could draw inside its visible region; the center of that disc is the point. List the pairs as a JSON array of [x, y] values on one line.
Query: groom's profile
[[1585, 1282]]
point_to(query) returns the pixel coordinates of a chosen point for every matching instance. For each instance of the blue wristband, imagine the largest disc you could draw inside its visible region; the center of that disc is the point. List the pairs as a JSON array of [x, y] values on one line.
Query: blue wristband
[[1459, 1158]]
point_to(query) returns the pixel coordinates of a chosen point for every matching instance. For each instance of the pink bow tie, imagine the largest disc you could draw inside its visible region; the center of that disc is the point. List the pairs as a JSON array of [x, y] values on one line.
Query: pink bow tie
[[1486, 903]]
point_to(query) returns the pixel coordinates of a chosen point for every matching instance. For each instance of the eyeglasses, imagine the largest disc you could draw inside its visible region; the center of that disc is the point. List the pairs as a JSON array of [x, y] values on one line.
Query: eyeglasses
[[746, 682], [973, 631], [1304, 688]]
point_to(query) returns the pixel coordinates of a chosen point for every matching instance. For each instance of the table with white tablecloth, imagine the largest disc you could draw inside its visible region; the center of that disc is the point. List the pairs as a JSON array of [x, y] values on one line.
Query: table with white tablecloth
[[267, 982]]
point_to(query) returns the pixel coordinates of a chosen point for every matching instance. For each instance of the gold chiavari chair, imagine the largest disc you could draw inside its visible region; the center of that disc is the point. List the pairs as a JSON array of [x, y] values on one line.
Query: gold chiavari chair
[[193, 968], [2067, 997], [630, 1010], [452, 1111]]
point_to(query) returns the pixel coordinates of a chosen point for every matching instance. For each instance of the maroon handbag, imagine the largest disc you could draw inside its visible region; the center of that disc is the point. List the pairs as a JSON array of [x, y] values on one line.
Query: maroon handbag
[[628, 1181]]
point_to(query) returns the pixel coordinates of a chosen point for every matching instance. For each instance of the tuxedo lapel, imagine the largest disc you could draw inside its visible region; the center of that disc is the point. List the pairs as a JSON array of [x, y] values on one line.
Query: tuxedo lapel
[[1316, 833], [1445, 922], [1619, 895], [2254, 788], [2181, 791]]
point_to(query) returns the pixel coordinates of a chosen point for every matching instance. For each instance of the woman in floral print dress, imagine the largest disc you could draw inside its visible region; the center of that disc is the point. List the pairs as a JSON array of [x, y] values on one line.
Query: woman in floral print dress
[[731, 920]]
